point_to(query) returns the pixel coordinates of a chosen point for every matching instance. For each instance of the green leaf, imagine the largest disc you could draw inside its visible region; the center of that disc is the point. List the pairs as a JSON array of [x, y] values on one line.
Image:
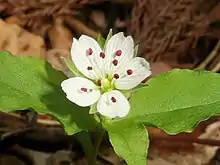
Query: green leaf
[[178, 100], [93, 109], [27, 82], [139, 87], [130, 141], [72, 67], [108, 37], [101, 41], [136, 50]]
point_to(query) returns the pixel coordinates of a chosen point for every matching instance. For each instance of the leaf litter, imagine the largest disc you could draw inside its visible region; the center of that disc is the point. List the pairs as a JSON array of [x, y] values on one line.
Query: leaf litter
[[188, 30]]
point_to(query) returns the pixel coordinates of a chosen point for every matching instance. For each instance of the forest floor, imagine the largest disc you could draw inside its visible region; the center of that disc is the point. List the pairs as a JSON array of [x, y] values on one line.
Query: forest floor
[[171, 34]]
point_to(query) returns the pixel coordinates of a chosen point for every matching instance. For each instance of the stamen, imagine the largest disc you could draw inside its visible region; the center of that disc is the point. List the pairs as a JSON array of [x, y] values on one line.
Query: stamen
[[102, 55], [99, 82], [89, 51], [84, 89], [89, 68], [129, 71], [115, 62], [116, 76], [113, 99], [118, 53]]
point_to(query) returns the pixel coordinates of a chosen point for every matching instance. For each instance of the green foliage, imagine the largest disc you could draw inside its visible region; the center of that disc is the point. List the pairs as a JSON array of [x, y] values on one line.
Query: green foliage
[[27, 82], [107, 38], [130, 141], [136, 50], [72, 67], [178, 100], [101, 41], [175, 102], [93, 109]]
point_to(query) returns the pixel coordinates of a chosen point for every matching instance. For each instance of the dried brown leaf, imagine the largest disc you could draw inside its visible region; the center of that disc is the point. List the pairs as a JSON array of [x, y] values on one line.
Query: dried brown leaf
[[54, 57], [60, 37], [9, 37], [98, 17], [20, 42], [31, 45], [79, 27]]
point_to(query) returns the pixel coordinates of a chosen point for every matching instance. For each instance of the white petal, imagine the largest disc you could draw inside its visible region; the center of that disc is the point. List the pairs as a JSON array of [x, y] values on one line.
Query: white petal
[[141, 70], [119, 42], [81, 59], [108, 108], [73, 89]]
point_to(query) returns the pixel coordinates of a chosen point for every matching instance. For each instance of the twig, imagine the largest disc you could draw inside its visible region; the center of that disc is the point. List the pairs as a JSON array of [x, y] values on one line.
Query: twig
[[20, 154], [216, 68], [125, 2], [80, 27], [14, 133], [209, 142], [210, 57]]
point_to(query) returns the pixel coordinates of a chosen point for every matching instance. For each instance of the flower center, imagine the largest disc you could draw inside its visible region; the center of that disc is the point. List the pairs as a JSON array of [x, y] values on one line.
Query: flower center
[[106, 85], [99, 83]]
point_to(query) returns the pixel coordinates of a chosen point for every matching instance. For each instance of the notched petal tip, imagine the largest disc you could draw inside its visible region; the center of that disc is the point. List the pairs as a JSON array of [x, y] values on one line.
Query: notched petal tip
[[84, 38]]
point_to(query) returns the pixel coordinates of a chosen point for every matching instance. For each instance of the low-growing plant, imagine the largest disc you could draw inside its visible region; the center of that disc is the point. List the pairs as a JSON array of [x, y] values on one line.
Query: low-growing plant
[[108, 94]]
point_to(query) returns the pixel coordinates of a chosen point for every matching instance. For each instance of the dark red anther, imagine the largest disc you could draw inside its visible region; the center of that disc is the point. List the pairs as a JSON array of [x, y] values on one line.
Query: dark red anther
[[99, 82], [116, 76], [118, 52], [102, 55], [115, 62], [89, 68], [129, 71], [113, 99], [84, 89], [89, 51]]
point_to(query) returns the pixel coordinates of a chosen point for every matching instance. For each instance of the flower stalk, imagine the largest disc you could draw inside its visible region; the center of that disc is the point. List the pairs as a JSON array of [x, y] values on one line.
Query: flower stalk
[[97, 146]]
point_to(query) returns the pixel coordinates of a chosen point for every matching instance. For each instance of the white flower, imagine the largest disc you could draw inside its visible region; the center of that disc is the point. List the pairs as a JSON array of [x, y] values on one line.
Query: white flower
[[107, 72]]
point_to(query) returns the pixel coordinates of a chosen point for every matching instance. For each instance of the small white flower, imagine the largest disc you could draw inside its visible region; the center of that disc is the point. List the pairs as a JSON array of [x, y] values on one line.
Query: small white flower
[[107, 71]]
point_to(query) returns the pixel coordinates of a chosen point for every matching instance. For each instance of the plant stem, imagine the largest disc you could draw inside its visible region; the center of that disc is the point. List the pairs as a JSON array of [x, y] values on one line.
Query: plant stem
[[97, 145]]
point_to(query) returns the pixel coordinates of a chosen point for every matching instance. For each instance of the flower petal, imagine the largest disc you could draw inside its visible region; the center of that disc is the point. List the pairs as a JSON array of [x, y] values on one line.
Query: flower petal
[[118, 48], [81, 91], [85, 54], [132, 73], [113, 104]]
